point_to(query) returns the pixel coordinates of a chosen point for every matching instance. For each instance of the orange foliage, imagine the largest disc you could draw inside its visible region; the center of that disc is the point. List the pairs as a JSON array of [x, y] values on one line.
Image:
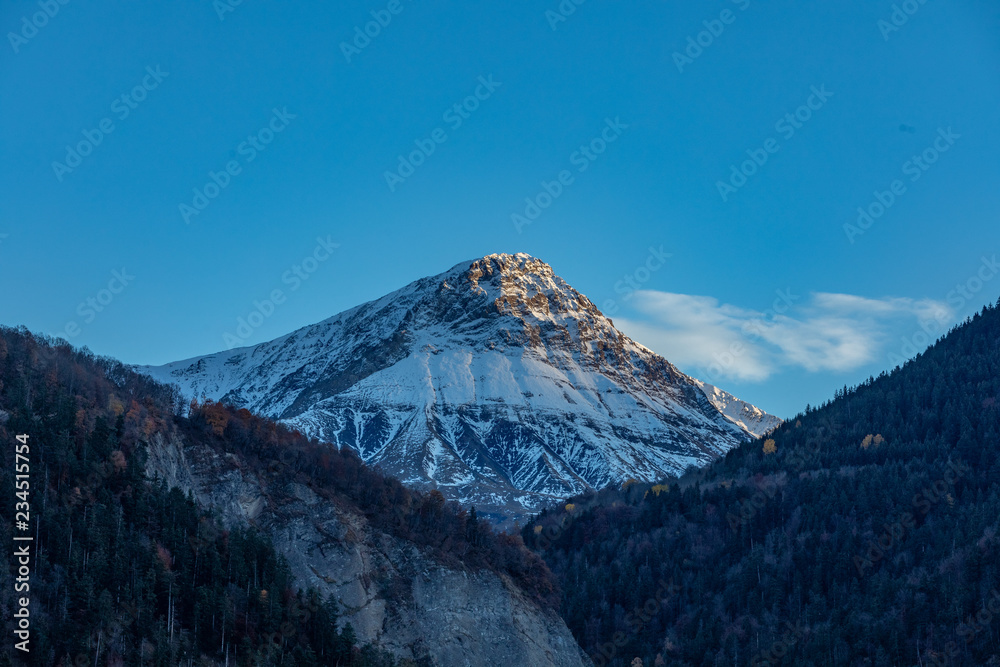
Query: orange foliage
[[165, 556], [115, 405], [118, 460], [216, 416]]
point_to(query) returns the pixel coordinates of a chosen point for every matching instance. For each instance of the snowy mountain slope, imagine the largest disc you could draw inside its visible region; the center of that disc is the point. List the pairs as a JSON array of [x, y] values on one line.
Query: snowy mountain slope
[[750, 418], [495, 382]]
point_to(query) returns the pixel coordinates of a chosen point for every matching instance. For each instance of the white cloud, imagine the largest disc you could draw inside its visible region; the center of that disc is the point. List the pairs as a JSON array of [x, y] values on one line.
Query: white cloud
[[826, 332]]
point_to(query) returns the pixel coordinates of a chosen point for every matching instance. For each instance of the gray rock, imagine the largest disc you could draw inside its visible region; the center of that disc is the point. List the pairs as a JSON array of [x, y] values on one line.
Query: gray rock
[[392, 593]]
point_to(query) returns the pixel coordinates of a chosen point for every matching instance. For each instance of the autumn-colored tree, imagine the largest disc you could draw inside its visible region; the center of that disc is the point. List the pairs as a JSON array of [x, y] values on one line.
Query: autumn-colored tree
[[769, 446], [118, 461], [216, 416]]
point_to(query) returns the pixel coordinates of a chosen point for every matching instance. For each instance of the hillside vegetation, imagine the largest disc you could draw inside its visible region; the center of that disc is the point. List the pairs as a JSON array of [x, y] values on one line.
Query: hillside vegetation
[[129, 572], [862, 532]]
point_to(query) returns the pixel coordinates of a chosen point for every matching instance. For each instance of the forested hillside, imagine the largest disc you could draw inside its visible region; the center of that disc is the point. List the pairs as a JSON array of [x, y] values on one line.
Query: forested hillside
[[862, 532], [127, 572]]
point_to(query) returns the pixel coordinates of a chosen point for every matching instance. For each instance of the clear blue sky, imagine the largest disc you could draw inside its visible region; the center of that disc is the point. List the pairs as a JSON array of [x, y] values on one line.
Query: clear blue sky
[[323, 175]]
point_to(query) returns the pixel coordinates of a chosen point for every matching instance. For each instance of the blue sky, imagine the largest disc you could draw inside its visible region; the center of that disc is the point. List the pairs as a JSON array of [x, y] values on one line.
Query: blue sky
[[309, 128]]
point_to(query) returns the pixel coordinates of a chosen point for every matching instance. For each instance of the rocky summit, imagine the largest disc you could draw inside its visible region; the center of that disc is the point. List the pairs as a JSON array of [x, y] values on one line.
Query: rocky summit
[[495, 382]]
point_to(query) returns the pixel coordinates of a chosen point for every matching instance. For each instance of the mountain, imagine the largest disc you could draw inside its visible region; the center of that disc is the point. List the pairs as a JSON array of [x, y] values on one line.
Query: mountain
[[218, 537], [424, 581], [749, 417], [862, 532], [495, 382]]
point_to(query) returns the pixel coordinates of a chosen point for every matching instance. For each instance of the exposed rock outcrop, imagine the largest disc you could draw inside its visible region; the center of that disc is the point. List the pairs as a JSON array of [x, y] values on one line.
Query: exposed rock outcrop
[[393, 594]]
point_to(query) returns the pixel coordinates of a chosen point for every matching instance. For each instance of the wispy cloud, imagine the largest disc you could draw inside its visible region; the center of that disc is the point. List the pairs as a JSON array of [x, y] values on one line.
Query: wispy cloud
[[826, 332]]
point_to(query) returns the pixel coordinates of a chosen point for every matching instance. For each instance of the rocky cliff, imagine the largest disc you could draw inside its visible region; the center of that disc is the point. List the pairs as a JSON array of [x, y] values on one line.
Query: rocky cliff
[[393, 594]]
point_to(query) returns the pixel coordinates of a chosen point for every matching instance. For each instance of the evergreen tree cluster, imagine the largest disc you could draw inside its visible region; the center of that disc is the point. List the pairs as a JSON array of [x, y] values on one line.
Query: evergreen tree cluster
[[454, 536], [862, 532], [128, 572]]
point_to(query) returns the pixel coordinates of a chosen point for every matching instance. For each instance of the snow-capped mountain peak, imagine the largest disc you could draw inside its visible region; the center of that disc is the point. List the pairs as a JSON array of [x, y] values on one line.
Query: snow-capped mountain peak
[[496, 382]]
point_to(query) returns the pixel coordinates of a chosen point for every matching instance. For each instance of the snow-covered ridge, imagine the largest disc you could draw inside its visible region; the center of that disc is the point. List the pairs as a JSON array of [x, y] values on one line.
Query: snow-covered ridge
[[749, 417], [495, 381]]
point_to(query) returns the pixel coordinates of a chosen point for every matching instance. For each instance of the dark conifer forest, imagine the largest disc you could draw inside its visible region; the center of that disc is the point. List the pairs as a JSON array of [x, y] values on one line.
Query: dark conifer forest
[[129, 572], [865, 531]]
